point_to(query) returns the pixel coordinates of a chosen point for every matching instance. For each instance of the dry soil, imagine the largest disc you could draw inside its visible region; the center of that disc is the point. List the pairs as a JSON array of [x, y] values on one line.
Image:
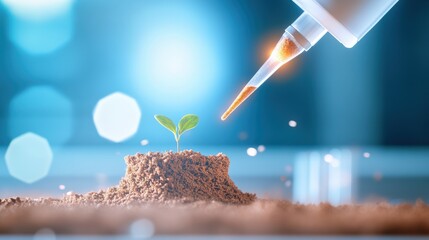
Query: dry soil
[[188, 193]]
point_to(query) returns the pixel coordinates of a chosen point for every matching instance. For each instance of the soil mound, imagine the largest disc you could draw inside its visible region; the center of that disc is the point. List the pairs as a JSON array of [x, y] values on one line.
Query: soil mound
[[185, 176]]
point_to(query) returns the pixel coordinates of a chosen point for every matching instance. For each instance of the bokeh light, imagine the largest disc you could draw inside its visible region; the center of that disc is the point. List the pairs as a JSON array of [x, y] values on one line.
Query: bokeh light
[[117, 117], [142, 229], [261, 148], [292, 123], [288, 169], [58, 67], [252, 152], [39, 26], [29, 157], [42, 110], [243, 136], [45, 234], [328, 158], [378, 176], [144, 142], [37, 10], [334, 162], [102, 180], [177, 64]]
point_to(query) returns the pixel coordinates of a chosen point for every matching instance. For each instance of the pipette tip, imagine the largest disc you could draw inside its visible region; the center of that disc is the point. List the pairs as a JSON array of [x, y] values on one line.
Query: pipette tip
[[285, 50], [244, 94], [225, 115]]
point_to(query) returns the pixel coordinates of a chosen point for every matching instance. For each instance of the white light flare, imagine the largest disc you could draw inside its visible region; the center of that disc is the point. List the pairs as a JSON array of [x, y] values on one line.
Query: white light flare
[[29, 157], [142, 229], [292, 123], [117, 117], [39, 26], [144, 142], [328, 158], [38, 10], [252, 152], [177, 63]]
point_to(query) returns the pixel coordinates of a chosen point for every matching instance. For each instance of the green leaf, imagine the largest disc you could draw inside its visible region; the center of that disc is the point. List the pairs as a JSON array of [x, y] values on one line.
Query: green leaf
[[166, 122], [187, 123]]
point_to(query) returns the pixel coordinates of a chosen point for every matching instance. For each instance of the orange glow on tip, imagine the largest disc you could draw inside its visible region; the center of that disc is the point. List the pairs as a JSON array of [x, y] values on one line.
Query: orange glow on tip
[[244, 94]]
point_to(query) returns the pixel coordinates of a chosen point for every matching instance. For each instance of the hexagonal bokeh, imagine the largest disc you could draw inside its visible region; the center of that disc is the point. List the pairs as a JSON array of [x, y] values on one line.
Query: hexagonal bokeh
[[29, 157], [42, 110], [39, 26], [117, 117]]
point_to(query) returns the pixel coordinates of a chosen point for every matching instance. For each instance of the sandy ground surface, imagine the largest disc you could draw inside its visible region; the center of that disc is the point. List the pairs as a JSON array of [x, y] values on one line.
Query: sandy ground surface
[[189, 193], [262, 217]]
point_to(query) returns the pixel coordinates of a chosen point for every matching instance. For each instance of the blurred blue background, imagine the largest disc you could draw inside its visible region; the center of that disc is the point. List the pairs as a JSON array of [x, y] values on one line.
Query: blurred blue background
[[60, 57]]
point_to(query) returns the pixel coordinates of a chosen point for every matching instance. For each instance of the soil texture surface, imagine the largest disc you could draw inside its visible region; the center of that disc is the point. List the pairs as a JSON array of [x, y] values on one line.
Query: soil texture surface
[[267, 217], [189, 193]]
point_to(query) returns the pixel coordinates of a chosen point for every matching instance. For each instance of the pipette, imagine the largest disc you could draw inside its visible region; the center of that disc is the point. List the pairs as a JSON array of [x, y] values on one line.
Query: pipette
[[290, 45], [348, 21], [285, 50]]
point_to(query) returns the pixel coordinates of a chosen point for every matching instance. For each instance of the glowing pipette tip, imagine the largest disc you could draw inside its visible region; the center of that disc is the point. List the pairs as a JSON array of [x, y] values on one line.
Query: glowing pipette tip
[[285, 50], [244, 94]]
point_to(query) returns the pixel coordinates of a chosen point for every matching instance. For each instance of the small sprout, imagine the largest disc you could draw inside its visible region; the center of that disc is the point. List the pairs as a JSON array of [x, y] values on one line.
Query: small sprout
[[188, 122]]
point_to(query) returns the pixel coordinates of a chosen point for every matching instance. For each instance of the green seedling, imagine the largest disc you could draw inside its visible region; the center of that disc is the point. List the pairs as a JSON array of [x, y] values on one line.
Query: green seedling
[[188, 122]]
